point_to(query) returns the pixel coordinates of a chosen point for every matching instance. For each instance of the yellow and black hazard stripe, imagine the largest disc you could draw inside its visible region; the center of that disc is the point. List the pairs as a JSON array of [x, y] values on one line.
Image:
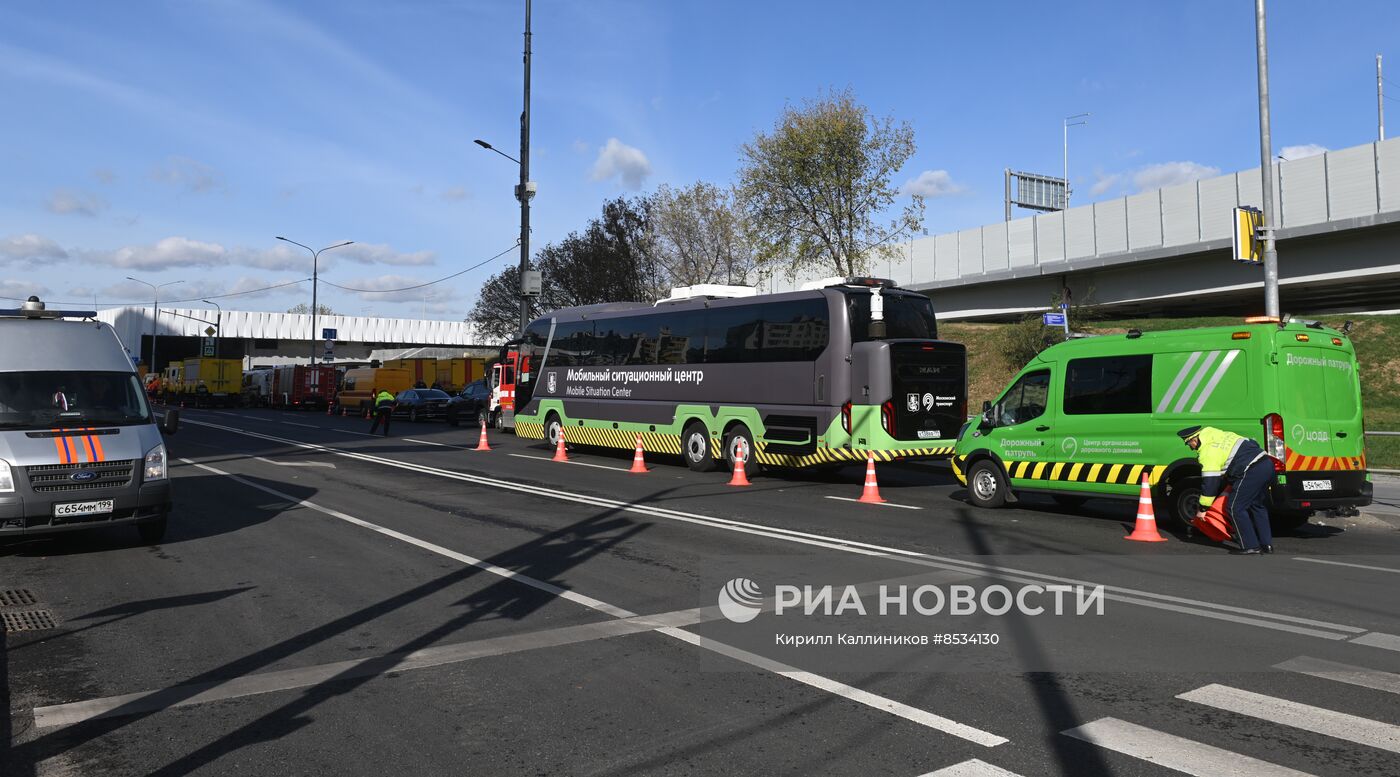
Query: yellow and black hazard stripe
[[844, 455], [652, 442], [1084, 472]]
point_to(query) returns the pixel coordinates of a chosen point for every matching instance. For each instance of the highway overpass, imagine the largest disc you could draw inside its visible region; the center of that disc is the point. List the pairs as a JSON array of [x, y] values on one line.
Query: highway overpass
[[1167, 251]]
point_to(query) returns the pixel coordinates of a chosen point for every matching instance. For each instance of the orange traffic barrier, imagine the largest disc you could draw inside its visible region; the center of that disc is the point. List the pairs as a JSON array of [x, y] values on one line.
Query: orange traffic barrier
[[1146, 528], [560, 454], [741, 460], [639, 462], [482, 444], [872, 489]]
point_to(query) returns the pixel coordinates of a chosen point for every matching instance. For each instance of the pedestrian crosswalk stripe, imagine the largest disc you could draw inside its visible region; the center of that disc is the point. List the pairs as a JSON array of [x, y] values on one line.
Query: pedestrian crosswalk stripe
[[1173, 752], [1343, 673], [972, 768], [1319, 720]]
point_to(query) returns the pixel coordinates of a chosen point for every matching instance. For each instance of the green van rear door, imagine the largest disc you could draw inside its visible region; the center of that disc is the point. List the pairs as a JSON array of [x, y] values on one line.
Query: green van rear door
[[1320, 398]]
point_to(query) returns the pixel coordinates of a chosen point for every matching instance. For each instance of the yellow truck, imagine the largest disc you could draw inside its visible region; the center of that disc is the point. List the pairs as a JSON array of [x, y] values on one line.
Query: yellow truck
[[422, 370], [212, 382], [361, 384], [454, 374]]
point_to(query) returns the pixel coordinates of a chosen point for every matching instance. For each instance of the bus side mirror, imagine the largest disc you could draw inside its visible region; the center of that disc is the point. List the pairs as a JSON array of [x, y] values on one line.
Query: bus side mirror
[[171, 423]]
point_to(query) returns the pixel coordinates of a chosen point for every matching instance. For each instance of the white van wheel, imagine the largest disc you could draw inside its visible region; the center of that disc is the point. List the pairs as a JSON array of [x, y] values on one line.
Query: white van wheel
[[985, 485]]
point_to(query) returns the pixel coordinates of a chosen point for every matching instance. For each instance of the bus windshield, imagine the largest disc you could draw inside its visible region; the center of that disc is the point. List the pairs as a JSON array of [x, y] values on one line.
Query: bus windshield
[[49, 399], [907, 316]]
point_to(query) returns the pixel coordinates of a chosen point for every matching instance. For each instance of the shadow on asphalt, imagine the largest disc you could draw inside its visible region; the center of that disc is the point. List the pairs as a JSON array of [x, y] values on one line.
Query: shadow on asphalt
[[543, 558]]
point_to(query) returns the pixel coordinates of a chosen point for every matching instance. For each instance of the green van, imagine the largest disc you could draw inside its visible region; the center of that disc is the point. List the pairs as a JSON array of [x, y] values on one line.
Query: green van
[[1091, 416]]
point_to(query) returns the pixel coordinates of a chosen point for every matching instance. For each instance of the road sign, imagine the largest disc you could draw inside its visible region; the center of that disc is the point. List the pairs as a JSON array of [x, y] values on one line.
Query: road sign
[[209, 330], [1037, 192], [330, 346], [329, 334], [1246, 245], [208, 346], [1053, 319]]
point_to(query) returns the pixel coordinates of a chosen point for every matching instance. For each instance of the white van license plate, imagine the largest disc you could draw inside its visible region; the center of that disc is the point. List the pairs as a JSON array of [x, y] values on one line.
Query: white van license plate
[[68, 509], [1317, 485]]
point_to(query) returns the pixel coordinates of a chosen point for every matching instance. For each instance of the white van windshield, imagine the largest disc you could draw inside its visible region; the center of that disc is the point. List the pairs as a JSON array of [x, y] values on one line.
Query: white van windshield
[[53, 399]]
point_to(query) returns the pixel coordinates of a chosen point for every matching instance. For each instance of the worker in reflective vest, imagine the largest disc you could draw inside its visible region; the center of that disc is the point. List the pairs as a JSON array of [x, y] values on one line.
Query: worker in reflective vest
[[383, 411], [1227, 457]]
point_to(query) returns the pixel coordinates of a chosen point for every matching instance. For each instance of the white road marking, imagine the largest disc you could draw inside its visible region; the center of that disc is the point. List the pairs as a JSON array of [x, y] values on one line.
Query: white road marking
[[922, 717], [866, 698], [1339, 725], [880, 504], [1196, 607], [570, 461], [296, 463], [972, 768], [1345, 564], [1173, 752], [1378, 639], [1343, 673], [429, 442], [294, 423]]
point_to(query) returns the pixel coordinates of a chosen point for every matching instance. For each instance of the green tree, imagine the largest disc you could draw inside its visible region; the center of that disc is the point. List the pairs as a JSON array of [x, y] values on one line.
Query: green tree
[[698, 235], [608, 261], [816, 189], [305, 309]]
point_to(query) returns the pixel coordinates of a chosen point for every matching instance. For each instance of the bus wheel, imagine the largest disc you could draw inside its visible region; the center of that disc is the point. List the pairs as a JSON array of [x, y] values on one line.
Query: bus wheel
[[552, 429], [732, 444], [696, 443], [985, 485]]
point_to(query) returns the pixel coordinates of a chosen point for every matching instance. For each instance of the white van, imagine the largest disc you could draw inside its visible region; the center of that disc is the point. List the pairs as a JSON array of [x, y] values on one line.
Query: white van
[[79, 446]]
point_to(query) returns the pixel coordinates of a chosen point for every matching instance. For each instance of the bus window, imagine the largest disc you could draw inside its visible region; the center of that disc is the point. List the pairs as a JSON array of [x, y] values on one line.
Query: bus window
[[793, 330], [907, 316]]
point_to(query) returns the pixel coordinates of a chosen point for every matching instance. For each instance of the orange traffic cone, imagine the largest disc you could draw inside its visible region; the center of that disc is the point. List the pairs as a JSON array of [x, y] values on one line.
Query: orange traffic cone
[[328, 408], [741, 460], [343, 411], [872, 489], [1146, 528], [482, 444], [639, 463], [559, 453]]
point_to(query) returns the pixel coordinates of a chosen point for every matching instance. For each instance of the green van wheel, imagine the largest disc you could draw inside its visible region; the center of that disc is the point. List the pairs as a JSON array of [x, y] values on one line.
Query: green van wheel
[[986, 487]]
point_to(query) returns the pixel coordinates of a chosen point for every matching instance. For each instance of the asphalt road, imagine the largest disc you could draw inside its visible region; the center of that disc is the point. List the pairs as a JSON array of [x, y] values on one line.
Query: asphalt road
[[327, 602]]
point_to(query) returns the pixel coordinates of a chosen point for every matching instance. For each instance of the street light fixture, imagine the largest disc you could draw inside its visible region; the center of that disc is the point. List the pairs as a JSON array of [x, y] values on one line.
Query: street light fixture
[[155, 313], [315, 258], [524, 190]]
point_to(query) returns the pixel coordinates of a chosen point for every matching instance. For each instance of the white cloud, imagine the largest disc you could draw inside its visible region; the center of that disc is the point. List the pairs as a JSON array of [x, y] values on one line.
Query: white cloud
[[438, 297], [188, 174], [190, 291], [623, 161], [378, 253], [579, 147], [1298, 152], [1103, 182], [1170, 174], [932, 183], [177, 251], [22, 289], [16, 248], [455, 194], [66, 201]]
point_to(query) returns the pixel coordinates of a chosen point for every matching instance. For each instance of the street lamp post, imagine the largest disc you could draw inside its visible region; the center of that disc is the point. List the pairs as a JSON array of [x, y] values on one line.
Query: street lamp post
[[1266, 168], [315, 259], [526, 188], [155, 313]]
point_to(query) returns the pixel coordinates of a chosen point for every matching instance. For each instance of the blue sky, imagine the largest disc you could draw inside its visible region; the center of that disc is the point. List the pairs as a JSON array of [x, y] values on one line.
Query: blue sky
[[173, 140]]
